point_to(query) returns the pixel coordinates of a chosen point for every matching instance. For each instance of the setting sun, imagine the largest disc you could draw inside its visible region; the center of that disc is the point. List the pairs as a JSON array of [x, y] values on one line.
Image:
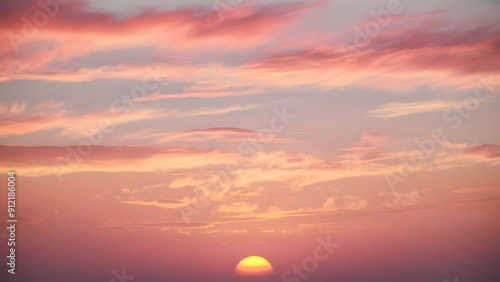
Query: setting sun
[[254, 266]]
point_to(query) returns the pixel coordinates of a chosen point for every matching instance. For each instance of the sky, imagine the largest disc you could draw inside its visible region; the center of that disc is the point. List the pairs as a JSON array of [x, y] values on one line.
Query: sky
[[167, 140]]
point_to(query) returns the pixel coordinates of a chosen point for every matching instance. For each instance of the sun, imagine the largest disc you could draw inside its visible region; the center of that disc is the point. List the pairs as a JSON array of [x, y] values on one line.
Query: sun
[[254, 266]]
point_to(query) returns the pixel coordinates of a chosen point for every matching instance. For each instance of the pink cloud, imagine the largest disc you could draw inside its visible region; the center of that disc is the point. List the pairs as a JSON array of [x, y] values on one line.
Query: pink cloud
[[401, 49], [54, 115], [412, 51], [369, 148], [203, 94], [76, 32], [45, 155], [486, 151], [225, 134], [220, 134]]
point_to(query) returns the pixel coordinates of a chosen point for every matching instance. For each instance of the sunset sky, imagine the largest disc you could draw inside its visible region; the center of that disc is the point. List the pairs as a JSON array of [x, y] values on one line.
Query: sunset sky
[[171, 139]]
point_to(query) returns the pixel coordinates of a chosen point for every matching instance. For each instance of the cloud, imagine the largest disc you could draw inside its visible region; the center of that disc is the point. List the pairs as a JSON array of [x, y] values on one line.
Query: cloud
[[225, 134], [172, 204], [26, 155], [219, 134], [216, 111], [369, 148], [13, 109], [293, 170], [401, 109], [483, 189], [347, 202], [181, 227], [486, 151], [238, 209], [50, 160], [193, 178], [204, 94], [412, 52], [169, 224], [77, 32], [407, 47], [398, 58], [17, 120], [400, 199], [53, 115]]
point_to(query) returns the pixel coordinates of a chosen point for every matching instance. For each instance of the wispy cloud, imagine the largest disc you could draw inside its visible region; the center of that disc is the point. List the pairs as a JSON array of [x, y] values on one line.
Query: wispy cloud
[[401, 109], [225, 134], [204, 94], [55, 115], [215, 111], [47, 115], [486, 151]]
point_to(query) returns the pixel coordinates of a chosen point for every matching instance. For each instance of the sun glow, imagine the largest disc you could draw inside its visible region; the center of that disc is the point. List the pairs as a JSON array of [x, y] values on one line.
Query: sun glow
[[254, 266]]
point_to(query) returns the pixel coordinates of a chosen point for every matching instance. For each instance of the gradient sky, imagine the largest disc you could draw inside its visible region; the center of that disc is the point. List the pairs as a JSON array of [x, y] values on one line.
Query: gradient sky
[[221, 130]]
